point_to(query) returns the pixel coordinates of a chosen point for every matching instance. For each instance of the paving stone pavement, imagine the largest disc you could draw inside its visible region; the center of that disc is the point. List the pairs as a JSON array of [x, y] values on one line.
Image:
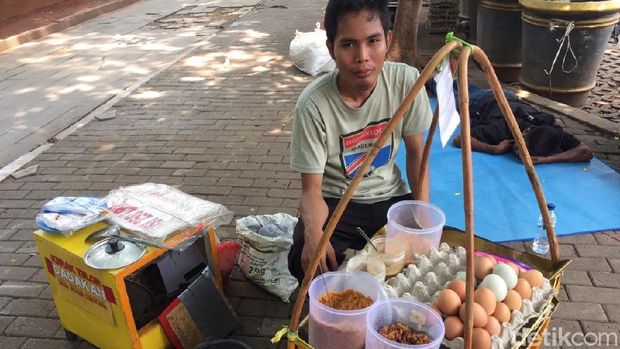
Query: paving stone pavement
[[49, 84], [217, 125], [604, 99]]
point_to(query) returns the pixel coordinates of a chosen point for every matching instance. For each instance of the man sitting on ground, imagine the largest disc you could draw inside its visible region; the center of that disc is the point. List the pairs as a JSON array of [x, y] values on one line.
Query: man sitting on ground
[[338, 118]]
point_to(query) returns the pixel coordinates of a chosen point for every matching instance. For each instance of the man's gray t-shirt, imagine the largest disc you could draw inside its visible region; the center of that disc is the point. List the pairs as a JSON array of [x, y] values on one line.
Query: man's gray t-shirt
[[331, 138]]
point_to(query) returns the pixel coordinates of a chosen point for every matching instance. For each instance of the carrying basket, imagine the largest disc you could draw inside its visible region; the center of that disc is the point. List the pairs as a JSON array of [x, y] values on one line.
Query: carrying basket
[[551, 269]]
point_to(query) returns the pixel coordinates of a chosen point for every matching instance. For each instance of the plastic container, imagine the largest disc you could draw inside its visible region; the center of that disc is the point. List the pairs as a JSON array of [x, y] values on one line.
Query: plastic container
[[391, 252], [419, 223], [368, 263], [332, 328], [416, 315]]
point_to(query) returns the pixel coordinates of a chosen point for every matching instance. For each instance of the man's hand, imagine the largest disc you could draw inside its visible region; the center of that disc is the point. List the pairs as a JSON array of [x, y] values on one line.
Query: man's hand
[[457, 141], [539, 160], [495, 149], [576, 154], [311, 243], [504, 146], [314, 213]]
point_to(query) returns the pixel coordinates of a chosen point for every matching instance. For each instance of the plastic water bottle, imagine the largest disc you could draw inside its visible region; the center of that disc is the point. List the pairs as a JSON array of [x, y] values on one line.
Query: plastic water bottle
[[541, 243]]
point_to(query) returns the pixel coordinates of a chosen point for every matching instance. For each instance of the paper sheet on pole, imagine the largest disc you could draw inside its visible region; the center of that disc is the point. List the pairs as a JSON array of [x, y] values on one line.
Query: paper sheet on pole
[[448, 116]]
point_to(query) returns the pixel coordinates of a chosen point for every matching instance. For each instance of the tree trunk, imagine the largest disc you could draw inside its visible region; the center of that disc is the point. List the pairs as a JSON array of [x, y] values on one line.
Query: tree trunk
[[405, 33]]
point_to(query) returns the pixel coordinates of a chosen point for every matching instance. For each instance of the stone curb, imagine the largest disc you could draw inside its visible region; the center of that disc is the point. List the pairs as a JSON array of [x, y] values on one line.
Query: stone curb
[[60, 24], [604, 125]]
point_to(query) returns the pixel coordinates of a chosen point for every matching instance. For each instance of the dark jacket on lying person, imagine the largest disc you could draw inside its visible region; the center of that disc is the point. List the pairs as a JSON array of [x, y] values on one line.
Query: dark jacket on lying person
[[546, 142]]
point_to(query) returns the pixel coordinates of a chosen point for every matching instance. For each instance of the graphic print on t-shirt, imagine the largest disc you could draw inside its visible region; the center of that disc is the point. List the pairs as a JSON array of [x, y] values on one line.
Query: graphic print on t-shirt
[[355, 145]]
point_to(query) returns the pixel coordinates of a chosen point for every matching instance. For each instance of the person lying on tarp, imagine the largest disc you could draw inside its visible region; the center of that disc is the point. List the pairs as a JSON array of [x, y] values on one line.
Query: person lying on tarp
[[546, 141]]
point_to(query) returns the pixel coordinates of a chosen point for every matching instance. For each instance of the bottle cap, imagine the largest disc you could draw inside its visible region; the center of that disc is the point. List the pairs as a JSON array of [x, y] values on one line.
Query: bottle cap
[[551, 206]]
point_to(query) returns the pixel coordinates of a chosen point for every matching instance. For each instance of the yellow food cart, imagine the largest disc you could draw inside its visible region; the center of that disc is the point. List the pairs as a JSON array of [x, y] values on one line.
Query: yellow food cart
[[92, 303]]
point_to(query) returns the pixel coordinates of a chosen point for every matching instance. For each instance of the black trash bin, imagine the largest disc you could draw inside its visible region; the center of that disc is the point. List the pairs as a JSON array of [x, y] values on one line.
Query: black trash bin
[[563, 46], [499, 35]]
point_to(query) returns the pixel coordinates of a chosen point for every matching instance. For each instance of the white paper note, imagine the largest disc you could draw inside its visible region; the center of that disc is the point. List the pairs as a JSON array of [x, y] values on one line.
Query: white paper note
[[448, 116]]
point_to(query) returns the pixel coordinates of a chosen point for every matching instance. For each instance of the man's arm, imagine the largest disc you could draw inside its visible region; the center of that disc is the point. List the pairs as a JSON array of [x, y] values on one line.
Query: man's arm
[[415, 147], [502, 147], [314, 214], [576, 154]]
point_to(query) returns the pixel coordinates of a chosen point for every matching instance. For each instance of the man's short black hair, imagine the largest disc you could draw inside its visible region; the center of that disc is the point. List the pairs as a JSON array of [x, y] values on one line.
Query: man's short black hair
[[337, 9]]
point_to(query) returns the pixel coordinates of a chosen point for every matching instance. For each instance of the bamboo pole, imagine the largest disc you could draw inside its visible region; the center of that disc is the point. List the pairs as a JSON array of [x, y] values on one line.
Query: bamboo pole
[[342, 204], [426, 153], [482, 58], [468, 198]]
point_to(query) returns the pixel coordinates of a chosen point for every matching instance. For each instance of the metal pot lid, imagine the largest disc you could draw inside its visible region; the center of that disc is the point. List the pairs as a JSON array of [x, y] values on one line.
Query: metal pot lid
[[113, 253]]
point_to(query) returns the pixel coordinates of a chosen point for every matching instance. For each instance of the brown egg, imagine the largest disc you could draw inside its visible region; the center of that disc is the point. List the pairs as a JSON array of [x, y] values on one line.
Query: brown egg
[[482, 267], [502, 313], [458, 286], [524, 288], [534, 277], [481, 339], [513, 300], [453, 326], [492, 259], [480, 316], [448, 302], [486, 298], [493, 326]]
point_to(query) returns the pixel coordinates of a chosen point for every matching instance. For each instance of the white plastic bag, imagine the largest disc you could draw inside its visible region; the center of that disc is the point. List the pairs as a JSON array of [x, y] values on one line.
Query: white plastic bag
[[155, 212], [309, 52], [265, 242], [66, 215]]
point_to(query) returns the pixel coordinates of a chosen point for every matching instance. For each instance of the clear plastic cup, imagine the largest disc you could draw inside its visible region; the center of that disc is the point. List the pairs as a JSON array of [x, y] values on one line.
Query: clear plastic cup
[[419, 223], [333, 328], [391, 252], [416, 315], [368, 263]]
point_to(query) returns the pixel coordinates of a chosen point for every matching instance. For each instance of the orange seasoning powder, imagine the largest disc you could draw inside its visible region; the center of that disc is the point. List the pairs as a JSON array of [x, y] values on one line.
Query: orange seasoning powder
[[403, 334], [346, 300]]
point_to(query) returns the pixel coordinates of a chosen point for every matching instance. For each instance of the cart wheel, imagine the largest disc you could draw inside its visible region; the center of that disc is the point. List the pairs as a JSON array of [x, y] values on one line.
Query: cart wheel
[[71, 336]]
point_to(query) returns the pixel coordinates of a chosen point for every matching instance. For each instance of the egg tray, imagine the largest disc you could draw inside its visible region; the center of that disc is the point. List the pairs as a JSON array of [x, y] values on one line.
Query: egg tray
[[516, 333], [424, 279], [431, 273]]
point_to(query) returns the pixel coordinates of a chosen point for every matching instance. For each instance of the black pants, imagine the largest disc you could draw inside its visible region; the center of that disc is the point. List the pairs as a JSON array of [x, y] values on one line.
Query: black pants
[[369, 217]]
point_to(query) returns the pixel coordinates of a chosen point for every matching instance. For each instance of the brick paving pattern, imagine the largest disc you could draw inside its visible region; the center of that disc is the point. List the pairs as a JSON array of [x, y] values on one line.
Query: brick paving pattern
[[605, 145], [217, 125], [604, 99]]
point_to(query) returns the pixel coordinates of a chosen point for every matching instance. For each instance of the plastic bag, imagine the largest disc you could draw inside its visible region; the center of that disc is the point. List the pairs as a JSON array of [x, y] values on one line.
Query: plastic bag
[[265, 242], [155, 212], [67, 214], [309, 52]]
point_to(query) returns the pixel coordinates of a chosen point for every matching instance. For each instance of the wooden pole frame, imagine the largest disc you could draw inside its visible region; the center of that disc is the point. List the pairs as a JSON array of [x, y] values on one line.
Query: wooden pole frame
[[425, 75]]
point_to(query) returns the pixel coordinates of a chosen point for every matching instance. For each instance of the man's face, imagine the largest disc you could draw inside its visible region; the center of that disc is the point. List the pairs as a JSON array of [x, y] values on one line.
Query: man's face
[[359, 49]]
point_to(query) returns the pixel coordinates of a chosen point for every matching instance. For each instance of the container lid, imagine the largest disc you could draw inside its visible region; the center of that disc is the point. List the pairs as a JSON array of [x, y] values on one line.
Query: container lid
[[113, 253], [572, 7]]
